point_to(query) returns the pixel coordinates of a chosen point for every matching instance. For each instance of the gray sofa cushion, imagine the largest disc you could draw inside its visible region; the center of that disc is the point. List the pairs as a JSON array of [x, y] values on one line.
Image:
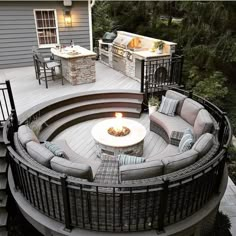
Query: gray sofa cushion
[[168, 151], [39, 153], [190, 110], [94, 163], [177, 96], [67, 167], [25, 135], [203, 144], [141, 171], [179, 161], [170, 123], [125, 159], [168, 106], [202, 124]]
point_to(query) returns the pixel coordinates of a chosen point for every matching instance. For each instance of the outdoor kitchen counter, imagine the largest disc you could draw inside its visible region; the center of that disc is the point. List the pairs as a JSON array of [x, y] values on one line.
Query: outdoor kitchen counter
[[78, 64], [148, 54]]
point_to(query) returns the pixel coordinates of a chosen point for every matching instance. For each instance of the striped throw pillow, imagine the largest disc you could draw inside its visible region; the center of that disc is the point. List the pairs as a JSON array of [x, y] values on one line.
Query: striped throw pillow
[[54, 148], [168, 106], [127, 159], [186, 141]]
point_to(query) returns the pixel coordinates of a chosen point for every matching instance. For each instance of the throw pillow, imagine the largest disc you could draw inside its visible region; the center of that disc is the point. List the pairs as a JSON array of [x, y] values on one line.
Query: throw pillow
[[168, 106], [55, 149], [127, 159], [186, 141]]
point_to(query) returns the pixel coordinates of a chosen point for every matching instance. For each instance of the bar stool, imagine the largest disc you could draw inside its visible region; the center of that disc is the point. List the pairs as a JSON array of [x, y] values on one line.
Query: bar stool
[[46, 68]]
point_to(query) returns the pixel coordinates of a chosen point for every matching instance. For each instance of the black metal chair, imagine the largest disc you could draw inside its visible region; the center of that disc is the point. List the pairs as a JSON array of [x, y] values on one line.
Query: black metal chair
[[45, 68]]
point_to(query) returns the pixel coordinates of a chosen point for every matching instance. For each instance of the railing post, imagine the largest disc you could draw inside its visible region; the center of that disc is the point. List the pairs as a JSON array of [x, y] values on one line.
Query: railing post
[[66, 203], [221, 128], [14, 171], [145, 100], [15, 120], [181, 69], [221, 171], [10, 95], [163, 204], [142, 77]]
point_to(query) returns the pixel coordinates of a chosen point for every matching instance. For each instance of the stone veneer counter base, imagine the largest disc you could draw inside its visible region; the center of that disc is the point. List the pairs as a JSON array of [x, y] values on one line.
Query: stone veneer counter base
[[78, 64]]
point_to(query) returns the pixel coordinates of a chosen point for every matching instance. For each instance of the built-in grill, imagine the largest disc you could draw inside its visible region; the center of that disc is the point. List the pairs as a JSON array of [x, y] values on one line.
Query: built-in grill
[[121, 47]]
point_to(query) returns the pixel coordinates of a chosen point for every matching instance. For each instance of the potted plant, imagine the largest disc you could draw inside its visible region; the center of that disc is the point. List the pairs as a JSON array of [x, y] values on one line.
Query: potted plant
[[159, 45], [153, 104]]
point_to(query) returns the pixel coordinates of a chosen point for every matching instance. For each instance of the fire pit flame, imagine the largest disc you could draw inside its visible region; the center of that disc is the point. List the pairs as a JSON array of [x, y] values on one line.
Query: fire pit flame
[[118, 129]]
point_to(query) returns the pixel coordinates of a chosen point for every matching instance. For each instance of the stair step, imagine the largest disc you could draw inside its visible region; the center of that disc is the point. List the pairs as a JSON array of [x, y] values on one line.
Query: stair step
[[3, 150], [3, 182], [3, 199], [3, 166], [3, 217], [58, 126], [66, 110], [47, 106], [4, 233]]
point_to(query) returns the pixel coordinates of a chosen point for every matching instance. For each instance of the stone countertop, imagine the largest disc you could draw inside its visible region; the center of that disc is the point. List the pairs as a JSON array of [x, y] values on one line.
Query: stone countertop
[[148, 54], [74, 52]]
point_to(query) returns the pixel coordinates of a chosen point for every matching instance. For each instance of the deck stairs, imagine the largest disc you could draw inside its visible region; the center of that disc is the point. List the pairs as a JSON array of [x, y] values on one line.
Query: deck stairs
[[3, 187], [53, 118]]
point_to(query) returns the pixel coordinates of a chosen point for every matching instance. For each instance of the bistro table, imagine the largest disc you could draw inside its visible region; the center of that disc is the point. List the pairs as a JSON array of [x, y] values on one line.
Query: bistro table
[[130, 144], [78, 64]]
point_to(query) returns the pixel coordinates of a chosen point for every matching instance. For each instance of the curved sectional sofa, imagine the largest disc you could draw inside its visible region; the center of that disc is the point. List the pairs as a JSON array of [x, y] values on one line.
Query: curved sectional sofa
[[189, 115]]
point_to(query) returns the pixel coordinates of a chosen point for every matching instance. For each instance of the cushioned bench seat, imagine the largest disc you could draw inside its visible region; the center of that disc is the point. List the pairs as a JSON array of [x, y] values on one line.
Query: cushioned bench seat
[[76, 158], [170, 123]]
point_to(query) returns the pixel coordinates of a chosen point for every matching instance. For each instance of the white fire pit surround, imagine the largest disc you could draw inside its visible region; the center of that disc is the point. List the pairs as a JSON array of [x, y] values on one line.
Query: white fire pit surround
[[131, 144]]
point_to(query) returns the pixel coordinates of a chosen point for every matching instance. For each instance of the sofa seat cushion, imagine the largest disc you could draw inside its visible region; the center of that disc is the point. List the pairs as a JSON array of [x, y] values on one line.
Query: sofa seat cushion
[[168, 106], [141, 171], [203, 144], [203, 123], [169, 123], [67, 167], [25, 135], [169, 150], [176, 96], [39, 153], [179, 161], [190, 110], [77, 158]]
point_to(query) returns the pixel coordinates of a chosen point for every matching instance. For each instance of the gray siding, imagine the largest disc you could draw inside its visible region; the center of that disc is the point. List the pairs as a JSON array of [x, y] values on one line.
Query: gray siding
[[18, 32]]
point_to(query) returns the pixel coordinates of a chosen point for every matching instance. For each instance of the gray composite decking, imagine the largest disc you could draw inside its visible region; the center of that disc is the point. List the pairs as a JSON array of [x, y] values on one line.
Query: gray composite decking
[[81, 141]]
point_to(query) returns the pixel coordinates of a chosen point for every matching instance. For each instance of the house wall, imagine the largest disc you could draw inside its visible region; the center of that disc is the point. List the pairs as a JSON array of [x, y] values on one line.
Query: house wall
[[18, 31]]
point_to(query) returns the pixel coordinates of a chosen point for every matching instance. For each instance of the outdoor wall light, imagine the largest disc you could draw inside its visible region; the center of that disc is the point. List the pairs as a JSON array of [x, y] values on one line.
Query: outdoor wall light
[[67, 18]]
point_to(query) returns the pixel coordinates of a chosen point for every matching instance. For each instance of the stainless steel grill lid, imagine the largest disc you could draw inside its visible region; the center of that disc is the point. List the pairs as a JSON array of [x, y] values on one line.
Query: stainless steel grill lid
[[122, 40]]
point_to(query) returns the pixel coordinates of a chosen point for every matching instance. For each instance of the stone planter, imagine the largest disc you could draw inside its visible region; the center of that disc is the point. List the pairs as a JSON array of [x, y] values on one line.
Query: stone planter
[[152, 109]]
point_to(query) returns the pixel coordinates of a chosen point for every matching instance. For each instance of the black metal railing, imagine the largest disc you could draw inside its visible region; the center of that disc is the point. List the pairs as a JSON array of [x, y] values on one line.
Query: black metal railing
[[120, 207], [6, 101], [157, 74]]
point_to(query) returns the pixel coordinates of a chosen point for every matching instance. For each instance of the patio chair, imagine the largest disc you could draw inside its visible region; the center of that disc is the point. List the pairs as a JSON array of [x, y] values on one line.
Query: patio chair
[[45, 68]]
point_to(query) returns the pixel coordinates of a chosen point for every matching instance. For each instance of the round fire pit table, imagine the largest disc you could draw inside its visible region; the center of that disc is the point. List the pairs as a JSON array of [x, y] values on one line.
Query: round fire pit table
[[131, 144]]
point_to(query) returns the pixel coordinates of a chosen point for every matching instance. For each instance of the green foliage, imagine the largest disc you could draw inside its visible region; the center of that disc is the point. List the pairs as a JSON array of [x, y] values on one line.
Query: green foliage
[[212, 88], [153, 101]]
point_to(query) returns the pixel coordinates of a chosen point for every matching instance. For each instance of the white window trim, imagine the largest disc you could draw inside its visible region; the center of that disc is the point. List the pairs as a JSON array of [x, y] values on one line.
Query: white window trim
[[57, 29]]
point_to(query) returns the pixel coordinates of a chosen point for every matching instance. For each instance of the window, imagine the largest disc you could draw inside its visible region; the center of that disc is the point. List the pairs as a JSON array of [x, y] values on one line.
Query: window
[[46, 27]]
